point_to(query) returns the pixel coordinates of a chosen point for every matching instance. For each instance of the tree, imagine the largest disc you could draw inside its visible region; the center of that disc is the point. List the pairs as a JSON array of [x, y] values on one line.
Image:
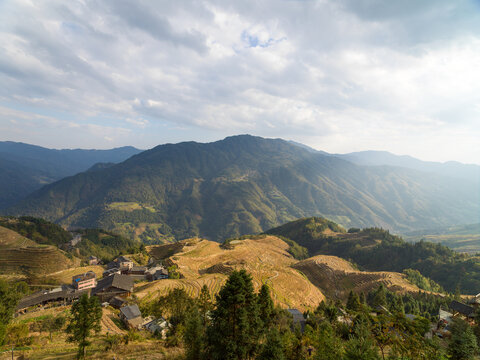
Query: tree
[[85, 316], [360, 346], [194, 336], [273, 347], [205, 305], [9, 297], [329, 346], [463, 343], [233, 334], [353, 302], [266, 310], [52, 324]]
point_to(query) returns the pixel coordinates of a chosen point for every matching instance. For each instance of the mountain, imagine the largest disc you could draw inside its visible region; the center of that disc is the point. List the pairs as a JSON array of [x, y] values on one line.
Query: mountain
[[245, 184], [453, 169], [376, 249], [25, 168]]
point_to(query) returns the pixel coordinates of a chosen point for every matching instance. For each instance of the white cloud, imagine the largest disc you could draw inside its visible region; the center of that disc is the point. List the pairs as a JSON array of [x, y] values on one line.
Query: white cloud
[[340, 75]]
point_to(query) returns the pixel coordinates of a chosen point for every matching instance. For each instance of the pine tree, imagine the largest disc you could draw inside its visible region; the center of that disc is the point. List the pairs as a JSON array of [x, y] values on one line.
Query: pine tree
[[233, 334], [353, 302], [329, 346], [266, 310], [273, 348], [86, 314], [205, 305], [463, 343], [194, 336], [360, 346], [8, 301]]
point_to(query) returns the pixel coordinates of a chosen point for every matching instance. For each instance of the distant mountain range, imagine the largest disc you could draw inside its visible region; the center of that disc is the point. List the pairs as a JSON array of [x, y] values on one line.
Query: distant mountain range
[[25, 168], [245, 184]]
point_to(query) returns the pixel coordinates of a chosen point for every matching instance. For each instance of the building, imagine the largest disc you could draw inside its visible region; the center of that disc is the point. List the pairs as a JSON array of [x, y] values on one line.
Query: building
[[298, 319], [111, 272], [122, 263], [84, 281], [157, 326], [131, 316], [114, 285], [156, 273], [461, 309], [62, 295], [93, 260], [117, 302]]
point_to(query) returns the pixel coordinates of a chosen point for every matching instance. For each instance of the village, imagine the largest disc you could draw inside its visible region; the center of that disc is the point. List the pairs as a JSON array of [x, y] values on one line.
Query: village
[[113, 289]]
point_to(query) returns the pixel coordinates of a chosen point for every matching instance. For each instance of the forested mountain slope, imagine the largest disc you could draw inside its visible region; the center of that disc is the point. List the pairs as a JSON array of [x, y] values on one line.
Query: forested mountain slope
[[25, 168], [247, 184]]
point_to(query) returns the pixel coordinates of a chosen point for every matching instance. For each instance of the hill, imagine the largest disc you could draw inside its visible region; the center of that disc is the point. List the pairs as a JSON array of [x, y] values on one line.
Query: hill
[[293, 283], [376, 249], [19, 255], [26, 168], [246, 184]]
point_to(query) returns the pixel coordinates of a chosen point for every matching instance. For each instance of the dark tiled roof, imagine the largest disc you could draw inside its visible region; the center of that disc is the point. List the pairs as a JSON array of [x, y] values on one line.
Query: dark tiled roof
[[130, 312], [297, 315], [117, 302], [64, 293], [139, 268], [462, 308], [119, 281]]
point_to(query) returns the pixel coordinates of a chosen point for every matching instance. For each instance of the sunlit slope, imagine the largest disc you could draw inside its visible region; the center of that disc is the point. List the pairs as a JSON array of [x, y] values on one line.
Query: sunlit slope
[[299, 284], [19, 255]]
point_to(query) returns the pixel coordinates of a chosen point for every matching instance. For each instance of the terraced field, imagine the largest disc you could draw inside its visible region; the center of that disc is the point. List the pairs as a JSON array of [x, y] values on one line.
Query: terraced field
[[298, 284], [336, 277], [20, 255]]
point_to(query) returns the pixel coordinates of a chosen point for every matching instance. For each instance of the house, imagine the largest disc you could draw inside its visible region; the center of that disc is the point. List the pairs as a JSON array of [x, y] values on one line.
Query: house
[[84, 281], [93, 260], [122, 263], [117, 302], [475, 301], [462, 309], [114, 285], [62, 295], [156, 273], [159, 326], [131, 316], [111, 272], [298, 319], [137, 272]]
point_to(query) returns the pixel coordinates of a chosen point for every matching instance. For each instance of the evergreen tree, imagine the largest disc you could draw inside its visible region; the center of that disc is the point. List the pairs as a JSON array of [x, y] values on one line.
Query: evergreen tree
[[463, 343], [272, 349], [266, 310], [194, 336], [353, 302], [329, 346], [360, 346], [380, 297], [205, 305], [85, 317], [233, 334]]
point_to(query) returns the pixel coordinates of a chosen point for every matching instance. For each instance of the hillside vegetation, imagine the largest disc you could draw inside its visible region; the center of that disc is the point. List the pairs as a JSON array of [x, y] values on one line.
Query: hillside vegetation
[[244, 185], [376, 249]]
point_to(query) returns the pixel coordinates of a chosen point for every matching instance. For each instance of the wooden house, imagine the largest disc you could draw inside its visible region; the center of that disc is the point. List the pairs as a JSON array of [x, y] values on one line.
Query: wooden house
[[131, 316], [114, 285]]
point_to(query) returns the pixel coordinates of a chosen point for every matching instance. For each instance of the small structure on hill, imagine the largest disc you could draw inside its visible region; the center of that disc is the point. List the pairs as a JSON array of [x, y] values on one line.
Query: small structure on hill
[[122, 263], [117, 302], [131, 316], [84, 281], [298, 319], [462, 309], [115, 285], [156, 273], [93, 260], [474, 301], [156, 326], [111, 272]]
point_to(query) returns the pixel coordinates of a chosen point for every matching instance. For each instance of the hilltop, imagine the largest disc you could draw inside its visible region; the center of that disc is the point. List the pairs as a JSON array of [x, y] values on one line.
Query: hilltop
[[245, 184], [294, 283], [375, 249]]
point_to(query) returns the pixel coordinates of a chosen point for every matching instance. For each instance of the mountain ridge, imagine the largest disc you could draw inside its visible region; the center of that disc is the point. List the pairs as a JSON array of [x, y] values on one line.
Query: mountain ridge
[[246, 184]]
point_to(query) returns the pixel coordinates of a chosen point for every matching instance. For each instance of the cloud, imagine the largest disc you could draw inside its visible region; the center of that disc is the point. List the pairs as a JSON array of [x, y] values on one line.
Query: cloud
[[340, 75]]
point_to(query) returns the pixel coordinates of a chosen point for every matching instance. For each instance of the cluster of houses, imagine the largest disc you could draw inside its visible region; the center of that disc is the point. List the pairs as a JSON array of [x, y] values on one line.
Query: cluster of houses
[[113, 289]]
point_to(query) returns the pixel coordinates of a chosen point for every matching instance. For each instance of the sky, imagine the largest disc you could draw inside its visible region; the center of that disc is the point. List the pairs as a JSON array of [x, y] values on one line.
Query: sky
[[339, 76]]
